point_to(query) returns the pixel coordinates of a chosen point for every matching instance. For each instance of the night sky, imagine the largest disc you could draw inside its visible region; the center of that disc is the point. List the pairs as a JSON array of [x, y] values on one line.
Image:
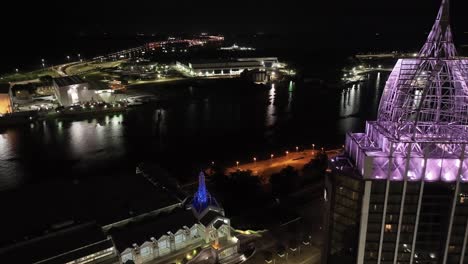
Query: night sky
[[324, 23], [240, 15]]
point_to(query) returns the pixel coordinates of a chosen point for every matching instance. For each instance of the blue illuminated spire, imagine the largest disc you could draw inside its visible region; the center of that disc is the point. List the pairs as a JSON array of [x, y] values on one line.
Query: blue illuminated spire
[[202, 197]]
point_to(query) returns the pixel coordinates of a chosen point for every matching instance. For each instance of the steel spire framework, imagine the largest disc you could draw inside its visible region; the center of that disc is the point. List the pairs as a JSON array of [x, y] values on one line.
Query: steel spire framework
[[422, 127], [439, 43]]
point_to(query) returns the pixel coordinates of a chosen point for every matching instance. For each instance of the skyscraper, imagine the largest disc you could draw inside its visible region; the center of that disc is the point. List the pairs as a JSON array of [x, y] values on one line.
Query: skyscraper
[[400, 193]]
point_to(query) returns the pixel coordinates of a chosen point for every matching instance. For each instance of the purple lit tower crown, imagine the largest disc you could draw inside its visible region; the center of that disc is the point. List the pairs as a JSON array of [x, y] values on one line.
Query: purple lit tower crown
[[422, 127]]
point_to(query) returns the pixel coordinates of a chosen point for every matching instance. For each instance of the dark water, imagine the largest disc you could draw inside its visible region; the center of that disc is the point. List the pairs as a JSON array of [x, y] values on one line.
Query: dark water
[[201, 122]]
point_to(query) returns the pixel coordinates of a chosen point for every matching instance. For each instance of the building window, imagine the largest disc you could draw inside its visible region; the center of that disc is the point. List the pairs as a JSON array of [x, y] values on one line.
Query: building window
[[388, 228], [162, 244], [146, 251], [179, 238], [227, 252], [128, 256], [222, 231], [452, 249], [194, 232], [463, 198]]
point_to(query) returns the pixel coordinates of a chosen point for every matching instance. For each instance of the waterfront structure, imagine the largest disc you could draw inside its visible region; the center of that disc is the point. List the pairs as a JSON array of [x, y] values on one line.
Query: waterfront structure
[[73, 90], [5, 100], [399, 194], [235, 47], [257, 76], [230, 67]]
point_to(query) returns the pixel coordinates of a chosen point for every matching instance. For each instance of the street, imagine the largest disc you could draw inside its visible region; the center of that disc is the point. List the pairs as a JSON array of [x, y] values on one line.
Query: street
[[295, 159]]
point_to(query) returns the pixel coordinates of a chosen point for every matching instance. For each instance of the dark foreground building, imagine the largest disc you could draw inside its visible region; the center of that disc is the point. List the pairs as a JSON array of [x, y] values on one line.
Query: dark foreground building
[[400, 192], [178, 231], [84, 243]]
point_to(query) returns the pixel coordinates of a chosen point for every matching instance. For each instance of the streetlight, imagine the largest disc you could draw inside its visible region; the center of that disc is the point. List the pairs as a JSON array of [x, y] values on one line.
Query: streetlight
[[212, 163], [237, 164], [313, 146], [287, 152], [271, 156], [16, 70], [255, 160], [68, 58], [297, 148]]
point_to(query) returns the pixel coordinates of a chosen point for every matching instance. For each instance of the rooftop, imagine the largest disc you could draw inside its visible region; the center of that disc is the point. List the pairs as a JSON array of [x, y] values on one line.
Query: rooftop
[[153, 226], [58, 247], [430, 88], [69, 80], [434, 154], [421, 132], [106, 199]]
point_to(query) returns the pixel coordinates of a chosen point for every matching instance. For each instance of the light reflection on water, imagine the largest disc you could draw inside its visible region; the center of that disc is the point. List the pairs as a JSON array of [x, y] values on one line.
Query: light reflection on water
[[161, 126], [6, 146], [271, 118], [377, 86], [88, 138], [290, 96], [191, 114], [10, 171], [359, 102]]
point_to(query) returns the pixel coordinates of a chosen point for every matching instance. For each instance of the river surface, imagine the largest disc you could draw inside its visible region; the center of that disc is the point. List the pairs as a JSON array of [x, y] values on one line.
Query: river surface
[[220, 121]]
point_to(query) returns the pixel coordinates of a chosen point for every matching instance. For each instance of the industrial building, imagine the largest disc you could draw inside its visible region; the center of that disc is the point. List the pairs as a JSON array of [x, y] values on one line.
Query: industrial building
[[230, 67], [73, 90], [399, 193]]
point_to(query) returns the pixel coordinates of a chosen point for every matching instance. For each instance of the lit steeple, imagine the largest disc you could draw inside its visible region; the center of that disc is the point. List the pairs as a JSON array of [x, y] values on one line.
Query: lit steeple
[[202, 197]]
